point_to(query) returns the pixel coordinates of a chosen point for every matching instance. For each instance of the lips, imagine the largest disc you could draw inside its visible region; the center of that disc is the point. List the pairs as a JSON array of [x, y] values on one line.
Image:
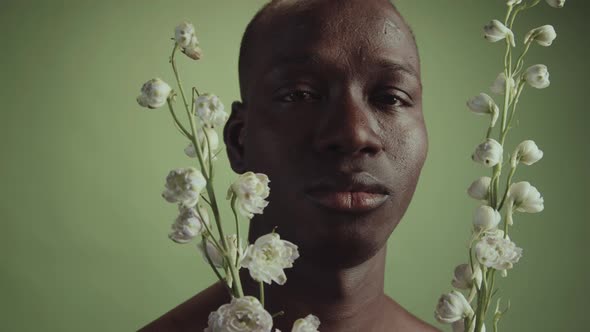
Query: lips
[[355, 193]]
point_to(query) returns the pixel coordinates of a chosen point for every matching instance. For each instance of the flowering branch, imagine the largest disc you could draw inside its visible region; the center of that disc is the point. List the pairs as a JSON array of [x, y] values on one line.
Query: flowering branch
[[492, 248]]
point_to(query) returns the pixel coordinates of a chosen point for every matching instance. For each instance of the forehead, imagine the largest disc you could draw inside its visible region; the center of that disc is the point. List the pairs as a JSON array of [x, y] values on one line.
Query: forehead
[[349, 33]]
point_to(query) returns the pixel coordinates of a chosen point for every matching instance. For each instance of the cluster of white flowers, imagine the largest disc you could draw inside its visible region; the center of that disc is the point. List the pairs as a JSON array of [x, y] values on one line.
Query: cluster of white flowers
[[185, 37], [250, 189], [268, 257]]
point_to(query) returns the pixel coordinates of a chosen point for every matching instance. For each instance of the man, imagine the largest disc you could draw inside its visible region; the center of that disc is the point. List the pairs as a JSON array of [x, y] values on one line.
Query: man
[[331, 111]]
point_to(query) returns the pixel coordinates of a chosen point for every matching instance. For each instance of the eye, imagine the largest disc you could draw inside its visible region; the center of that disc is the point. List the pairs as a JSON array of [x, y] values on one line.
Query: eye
[[294, 96], [390, 99]]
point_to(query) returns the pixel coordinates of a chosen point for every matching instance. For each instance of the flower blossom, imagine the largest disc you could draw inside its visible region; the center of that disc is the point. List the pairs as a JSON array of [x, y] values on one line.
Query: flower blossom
[[308, 324], [501, 84], [488, 153], [537, 76], [527, 152], [484, 104], [464, 277], [268, 256], [452, 307], [213, 138], [214, 254], [479, 189], [185, 37], [154, 93], [184, 185], [523, 197], [485, 218], [210, 110], [543, 35], [496, 31], [187, 225], [556, 3], [251, 190], [495, 251], [245, 314]]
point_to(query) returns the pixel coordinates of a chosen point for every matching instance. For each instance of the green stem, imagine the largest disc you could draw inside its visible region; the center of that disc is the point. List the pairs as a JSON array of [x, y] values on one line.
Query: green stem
[[521, 85], [261, 283], [176, 121], [173, 62], [221, 278], [508, 182], [233, 208]]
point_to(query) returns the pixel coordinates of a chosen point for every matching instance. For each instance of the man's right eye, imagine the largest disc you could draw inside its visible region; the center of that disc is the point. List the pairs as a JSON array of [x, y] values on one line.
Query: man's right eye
[[298, 96]]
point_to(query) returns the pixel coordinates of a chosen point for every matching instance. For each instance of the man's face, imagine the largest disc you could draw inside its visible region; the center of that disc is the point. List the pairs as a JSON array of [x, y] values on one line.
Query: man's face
[[333, 115]]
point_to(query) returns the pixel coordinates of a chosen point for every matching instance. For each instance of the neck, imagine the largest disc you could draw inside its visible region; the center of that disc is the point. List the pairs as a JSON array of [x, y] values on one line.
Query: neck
[[345, 299]]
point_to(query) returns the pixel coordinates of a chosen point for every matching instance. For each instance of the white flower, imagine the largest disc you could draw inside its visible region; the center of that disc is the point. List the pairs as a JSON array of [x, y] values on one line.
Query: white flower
[[484, 104], [268, 256], [497, 252], [210, 110], [496, 30], [185, 37], [184, 34], [464, 277], [452, 307], [537, 76], [486, 218], [244, 314], [488, 153], [479, 189], [187, 225], [523, 197], [556, 3], [543, 35], [184, 185], [308, 324], [499, 85], [154, 93], [513, 2], [213, 142], [527, 152], [251, 190], [214, 254]]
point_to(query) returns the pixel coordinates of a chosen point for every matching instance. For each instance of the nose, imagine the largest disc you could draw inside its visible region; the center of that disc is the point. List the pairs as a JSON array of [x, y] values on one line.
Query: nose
[[348, 127]]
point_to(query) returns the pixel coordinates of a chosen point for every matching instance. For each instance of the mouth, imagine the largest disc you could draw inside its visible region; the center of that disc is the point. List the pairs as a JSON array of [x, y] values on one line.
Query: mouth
[[355, 193]]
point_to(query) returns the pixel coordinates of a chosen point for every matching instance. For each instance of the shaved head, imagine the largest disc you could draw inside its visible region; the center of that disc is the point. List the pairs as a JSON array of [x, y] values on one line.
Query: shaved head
[[272, 15]]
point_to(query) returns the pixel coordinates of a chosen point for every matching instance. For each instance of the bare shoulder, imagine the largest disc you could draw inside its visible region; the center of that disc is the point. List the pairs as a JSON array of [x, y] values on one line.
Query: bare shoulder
[[406, 321], [191, 315]]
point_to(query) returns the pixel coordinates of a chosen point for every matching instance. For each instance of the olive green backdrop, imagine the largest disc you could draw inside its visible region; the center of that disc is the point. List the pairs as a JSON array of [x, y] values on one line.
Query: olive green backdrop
[[84, 242]]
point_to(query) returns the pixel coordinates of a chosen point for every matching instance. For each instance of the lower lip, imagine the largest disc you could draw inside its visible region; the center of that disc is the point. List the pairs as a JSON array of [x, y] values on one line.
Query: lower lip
[[348, 201]]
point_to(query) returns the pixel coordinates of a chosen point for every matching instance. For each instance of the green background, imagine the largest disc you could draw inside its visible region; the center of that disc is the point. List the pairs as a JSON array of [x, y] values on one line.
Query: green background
[[84, 230]]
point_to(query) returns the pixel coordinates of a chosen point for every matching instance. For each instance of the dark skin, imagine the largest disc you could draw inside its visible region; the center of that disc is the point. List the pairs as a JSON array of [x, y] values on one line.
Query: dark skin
[[333, 89]]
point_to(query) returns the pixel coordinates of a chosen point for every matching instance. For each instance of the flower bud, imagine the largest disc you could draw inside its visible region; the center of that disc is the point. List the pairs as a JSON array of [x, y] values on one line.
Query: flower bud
[[496, 31], [485, 218], [194, 52], [184, 185], [556, 3], [527, 152], [184, 34], [464, 277], [488, 153], [308, 324], [537, 76], [187, 225], [452, 307], [500, 84], [215, 255], [154, 93], [213, 143], [543, 35], [479, 189], [484, 104], [523, 197]]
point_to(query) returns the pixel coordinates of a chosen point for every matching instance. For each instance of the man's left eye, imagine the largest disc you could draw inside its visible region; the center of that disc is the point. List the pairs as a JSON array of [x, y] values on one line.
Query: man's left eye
[[299, 95]]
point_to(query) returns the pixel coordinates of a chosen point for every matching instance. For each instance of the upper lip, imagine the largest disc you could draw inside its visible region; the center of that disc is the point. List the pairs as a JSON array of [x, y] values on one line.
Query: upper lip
[[357, 182]]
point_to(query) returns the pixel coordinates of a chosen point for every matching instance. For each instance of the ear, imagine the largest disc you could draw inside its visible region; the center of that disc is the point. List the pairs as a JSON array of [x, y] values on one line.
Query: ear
[[234, 134]]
